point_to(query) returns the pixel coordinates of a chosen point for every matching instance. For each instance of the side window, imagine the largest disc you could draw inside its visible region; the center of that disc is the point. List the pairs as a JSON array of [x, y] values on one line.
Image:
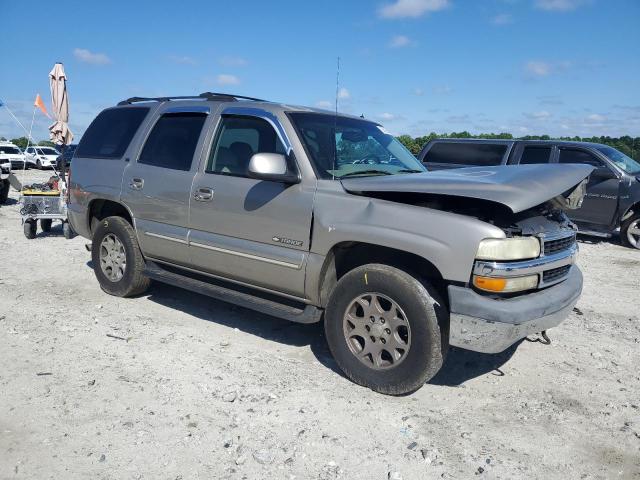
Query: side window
[[173, 140], [479, 154], [532, 155], [29, 150], [110, 133], [569, 155], [237, 140]]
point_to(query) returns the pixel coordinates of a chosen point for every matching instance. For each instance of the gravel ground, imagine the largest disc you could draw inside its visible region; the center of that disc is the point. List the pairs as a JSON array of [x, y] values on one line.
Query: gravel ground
[[173, 385]]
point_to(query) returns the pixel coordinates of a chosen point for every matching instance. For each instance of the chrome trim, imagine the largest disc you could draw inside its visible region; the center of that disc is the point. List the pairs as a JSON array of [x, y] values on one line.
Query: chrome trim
[[193, 109], [165, 237], [247, 255], [528, 267], [265, 115], [230, 280]]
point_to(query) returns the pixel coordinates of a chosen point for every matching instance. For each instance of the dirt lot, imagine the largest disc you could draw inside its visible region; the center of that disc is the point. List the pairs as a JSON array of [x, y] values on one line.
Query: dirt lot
[[173, 385]]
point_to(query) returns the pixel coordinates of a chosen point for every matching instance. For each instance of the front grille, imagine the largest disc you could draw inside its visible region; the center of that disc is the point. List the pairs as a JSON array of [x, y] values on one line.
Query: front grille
[[555, 274], [558, 245]]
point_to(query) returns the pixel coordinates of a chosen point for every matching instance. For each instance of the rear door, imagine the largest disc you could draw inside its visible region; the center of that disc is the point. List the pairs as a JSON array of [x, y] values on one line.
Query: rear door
[[443, 155], [157, 184], [251, 231], [601, 201]]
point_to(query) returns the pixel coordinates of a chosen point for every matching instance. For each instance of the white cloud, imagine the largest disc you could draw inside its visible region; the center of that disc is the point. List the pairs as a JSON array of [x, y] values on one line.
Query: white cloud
[[411, 8], [344, 94], [87, 56], [182, 59], [559, 5], [595, 118], [231, 61], [418, 92], [226, 79], [442, 90], [400, 41], [387, 117], [502, 19], [542, 115], [326, 104], [538, 68]]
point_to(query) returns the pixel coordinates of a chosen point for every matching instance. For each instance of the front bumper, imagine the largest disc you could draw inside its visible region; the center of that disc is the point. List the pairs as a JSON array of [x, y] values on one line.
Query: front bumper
[[490, 325]]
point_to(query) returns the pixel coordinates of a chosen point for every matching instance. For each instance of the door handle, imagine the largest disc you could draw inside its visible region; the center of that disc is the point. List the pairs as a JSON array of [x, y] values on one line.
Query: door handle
[[203, 194], [136, 183]]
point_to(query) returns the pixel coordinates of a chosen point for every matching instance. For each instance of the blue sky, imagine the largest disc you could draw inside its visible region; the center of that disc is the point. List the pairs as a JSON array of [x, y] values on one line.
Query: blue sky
[[562, 67]]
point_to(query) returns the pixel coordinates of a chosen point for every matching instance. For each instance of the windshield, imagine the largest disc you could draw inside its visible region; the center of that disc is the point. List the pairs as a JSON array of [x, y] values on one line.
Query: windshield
[[9, 150], [341, 146], [623, 162], [48, 151]]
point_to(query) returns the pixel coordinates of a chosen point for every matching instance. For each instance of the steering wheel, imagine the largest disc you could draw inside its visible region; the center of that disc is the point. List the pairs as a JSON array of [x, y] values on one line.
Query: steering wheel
[[370, 159]]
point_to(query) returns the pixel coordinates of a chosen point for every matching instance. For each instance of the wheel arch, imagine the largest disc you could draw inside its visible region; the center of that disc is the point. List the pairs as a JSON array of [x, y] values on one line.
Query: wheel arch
[[100, 209], [345, 256]]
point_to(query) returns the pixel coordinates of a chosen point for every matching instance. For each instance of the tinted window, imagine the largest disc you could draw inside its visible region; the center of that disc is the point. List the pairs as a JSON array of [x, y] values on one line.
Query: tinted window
[[172, 142], [9, 150], [568, 155], [109, 134], [237, 140], [466, 154], [531, 155]]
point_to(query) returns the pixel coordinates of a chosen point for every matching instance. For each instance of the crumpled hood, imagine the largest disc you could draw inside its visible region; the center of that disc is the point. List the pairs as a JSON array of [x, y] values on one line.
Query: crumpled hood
[[518, 187]]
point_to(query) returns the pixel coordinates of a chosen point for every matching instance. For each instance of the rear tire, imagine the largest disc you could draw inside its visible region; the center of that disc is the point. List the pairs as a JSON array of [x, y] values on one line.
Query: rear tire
[[45, 224], [4, 191], [30, 229], [417, 338], [117, 259], [67, 231], [627, 229]]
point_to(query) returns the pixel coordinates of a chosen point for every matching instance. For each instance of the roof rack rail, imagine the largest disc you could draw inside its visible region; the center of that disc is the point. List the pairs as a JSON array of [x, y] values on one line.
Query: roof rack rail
[[203, 96]]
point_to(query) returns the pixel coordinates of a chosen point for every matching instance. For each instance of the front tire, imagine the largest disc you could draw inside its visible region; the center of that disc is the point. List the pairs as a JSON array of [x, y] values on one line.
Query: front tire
[[117, 259], [383, 327], [30, 229], [630, 232], [39, 165]]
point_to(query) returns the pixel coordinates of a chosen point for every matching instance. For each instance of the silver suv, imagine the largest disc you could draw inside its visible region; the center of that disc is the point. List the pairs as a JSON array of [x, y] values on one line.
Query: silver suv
[[308, 215]]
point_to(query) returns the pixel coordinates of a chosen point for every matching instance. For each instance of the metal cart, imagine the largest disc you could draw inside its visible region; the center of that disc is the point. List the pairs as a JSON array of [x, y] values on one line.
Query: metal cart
[[45, 206]]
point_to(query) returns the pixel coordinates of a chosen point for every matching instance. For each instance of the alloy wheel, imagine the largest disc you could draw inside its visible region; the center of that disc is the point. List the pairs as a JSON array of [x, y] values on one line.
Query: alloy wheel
[[377, 331], [633, 233], [113, 258]]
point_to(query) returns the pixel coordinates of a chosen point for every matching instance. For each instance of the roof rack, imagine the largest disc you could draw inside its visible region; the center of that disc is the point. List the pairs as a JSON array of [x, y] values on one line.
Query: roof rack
[[209, 96]]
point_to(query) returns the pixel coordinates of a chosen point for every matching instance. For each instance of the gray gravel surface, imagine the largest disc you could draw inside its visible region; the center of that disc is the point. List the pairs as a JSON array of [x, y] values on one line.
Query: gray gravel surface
[[173, 385]]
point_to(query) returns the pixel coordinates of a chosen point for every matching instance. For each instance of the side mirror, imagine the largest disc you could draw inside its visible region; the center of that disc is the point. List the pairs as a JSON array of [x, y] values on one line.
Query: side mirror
[[603, 173], [271, 167]]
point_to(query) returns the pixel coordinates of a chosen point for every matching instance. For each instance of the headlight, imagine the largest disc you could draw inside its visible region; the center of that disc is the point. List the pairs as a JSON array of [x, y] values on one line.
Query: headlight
[[518, 248], [505, 285]]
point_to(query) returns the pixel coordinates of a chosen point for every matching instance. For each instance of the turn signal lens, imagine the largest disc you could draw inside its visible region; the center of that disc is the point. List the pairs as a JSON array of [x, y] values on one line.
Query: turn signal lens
[[505, 285], [516, 248]]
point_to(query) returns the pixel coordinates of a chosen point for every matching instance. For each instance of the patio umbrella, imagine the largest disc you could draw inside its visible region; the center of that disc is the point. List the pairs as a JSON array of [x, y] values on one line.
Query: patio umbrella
[[59, 131]]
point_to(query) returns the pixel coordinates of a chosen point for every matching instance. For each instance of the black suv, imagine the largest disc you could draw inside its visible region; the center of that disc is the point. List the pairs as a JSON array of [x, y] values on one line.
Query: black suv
[[612, 201]]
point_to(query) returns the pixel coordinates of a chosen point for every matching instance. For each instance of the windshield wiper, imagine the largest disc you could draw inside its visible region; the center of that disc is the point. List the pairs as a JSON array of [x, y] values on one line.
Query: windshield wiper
[[366, 172], [411, 170]]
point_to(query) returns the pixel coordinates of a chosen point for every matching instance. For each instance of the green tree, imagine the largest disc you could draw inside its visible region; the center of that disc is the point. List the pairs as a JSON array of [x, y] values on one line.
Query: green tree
[[46, 143], [21, 142]]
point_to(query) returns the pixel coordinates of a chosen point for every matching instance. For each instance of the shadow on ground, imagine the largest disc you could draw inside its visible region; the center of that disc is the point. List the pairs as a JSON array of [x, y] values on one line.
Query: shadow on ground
[[462, 365]]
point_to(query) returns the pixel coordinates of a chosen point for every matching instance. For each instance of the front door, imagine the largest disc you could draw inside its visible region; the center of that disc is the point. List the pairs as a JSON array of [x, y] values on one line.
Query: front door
[[251, 231], [157, 185], [601, 200]]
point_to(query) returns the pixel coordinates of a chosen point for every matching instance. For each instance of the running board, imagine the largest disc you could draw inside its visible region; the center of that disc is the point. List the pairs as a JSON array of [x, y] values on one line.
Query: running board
[[593, 233], [308, 314]]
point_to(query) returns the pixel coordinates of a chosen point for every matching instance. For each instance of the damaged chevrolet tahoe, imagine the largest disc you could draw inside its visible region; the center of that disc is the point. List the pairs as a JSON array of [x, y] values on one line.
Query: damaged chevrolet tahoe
[[307, 215]]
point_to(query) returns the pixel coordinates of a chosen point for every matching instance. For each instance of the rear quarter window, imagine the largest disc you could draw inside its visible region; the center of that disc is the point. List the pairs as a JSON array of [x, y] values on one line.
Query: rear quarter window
[[484, 155], [110, 133]]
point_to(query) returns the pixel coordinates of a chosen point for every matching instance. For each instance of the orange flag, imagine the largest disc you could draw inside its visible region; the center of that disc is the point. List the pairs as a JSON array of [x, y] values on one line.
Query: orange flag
[[40, 104]]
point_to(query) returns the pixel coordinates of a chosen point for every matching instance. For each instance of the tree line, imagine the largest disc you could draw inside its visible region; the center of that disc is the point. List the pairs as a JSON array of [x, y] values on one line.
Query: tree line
[[22, 142], [630, 146]]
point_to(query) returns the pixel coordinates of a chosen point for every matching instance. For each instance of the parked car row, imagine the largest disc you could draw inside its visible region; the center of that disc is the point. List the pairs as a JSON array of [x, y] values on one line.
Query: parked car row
[[35, 156], [612, 200]]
